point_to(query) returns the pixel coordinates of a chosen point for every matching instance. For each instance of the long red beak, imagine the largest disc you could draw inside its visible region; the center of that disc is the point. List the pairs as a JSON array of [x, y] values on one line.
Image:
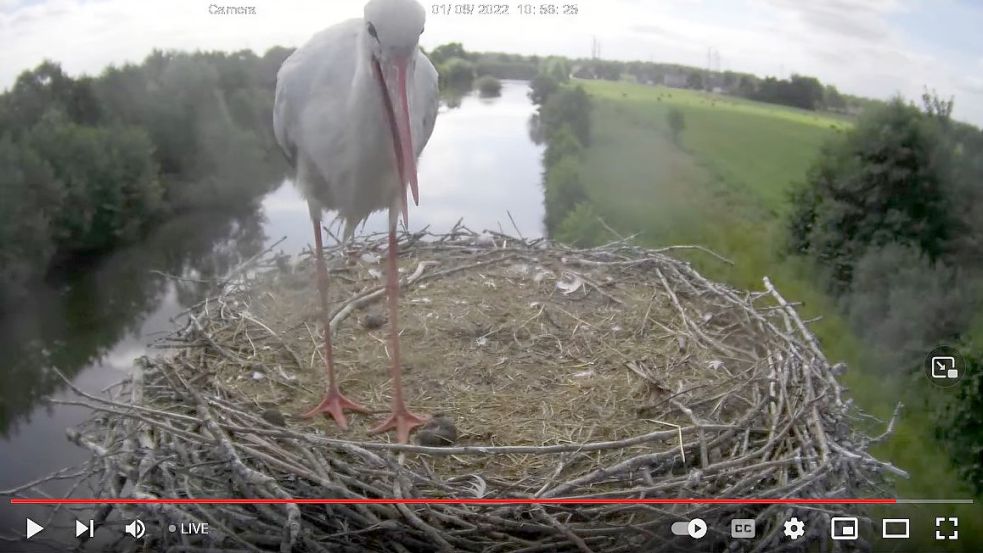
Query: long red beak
[[398, 115]]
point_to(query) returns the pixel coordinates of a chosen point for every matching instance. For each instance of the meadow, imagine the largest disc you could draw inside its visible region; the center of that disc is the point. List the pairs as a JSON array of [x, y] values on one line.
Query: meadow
[[724, 185]]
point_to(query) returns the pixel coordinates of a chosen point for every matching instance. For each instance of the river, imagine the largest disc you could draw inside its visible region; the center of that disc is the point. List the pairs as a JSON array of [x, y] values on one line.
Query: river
[[480, 164]]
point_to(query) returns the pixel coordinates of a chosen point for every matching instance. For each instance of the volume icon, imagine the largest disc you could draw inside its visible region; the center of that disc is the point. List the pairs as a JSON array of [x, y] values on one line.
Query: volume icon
[[135, 529]]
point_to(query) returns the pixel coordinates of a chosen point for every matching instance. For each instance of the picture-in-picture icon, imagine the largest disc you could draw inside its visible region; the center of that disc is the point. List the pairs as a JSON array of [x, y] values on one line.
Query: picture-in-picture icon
[[944, 367], [844, 528]]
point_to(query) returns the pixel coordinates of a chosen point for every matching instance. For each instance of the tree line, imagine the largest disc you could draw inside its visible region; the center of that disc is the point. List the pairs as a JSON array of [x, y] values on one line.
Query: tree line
[[89, 163], [891, 217], [796, 91], [564, 123], [458, 70]]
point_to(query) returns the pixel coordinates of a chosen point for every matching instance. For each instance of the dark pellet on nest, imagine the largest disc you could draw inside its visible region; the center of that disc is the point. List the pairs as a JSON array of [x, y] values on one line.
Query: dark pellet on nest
[[439, 432], [373, 321], [274, 417]]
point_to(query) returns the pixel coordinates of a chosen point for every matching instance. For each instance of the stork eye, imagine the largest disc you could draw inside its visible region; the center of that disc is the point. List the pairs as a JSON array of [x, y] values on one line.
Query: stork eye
[[372, 31]]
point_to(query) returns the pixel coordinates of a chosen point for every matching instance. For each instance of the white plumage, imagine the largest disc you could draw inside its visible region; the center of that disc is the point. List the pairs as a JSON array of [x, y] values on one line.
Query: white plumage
[[329, 119], [354, 108]]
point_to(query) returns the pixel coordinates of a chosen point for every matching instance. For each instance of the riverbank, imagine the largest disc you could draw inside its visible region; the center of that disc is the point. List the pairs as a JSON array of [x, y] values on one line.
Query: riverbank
[[725, 188]]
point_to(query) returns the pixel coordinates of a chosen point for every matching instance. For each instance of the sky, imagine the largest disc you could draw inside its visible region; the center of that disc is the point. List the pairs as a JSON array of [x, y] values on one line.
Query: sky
[[874, 48]]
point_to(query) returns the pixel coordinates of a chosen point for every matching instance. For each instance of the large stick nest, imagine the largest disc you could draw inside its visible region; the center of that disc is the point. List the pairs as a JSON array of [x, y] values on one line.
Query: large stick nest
[[615, 372]]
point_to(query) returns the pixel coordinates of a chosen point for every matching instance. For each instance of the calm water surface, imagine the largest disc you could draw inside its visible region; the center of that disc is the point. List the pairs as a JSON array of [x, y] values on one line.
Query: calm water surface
[[480, 164]]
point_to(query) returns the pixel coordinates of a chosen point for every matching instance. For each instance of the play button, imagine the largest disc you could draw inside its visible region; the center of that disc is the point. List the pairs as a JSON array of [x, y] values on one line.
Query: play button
[[33, 528], [696, 528]]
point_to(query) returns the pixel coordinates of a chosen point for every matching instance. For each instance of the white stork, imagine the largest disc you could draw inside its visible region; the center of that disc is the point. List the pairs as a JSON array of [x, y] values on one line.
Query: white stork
[[354, 108]]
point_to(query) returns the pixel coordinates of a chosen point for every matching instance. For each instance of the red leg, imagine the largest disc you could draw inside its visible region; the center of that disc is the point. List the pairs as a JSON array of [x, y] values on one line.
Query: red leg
[[333, 402], [401, 418]]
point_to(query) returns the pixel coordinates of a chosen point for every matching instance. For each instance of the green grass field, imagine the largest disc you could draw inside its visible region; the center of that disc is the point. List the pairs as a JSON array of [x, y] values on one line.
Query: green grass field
[[725, 187]]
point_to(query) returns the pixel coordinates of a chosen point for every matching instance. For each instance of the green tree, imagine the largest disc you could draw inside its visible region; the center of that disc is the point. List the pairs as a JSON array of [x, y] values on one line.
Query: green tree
[[489, 87], [608, 70], [886, 181], [87, 162], [570, 106], [456, 74], [805, 92], [446, 52], [556, 68], [109, 180], [30, 197], [505, 66], [960, 424], [541, 87], [903, 304], [747, 86], [562, 144], [582, 227], [47, 88], [564, 190], [832, 99], [799, 91], [694, 80]]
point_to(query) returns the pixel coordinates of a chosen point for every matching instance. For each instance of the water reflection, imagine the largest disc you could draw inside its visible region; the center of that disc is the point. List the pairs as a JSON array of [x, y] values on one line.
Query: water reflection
[[83, 319], [479, 164]]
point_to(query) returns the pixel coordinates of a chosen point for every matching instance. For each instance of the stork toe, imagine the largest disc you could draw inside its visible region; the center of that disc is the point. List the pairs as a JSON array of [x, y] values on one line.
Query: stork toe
[[334, 404], [403, 421]]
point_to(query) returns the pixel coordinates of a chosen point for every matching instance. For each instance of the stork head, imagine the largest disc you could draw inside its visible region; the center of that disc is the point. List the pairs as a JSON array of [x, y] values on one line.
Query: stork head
[[395, 26], [392, 30]]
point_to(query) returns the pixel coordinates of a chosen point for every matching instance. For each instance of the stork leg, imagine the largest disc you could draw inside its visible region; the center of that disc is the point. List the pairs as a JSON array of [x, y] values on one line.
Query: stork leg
[[333, 403], [401, 418]]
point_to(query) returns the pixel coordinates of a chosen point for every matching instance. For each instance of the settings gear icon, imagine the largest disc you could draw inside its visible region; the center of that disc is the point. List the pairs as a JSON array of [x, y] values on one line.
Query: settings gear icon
[[794, 528]]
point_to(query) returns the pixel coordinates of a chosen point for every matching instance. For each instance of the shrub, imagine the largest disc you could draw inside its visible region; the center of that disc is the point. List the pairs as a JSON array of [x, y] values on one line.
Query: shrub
[[570, 106], [581, 227], [541, 87], [564, 190], [886, 181], [562, 144], [30, 197], [676, 123], [489, 87], [960, 424], [109, 181], [904, 304], [456, 73]]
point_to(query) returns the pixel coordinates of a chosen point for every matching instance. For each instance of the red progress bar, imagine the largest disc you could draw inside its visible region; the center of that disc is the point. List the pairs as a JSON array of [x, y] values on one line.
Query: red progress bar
[[452, 501]]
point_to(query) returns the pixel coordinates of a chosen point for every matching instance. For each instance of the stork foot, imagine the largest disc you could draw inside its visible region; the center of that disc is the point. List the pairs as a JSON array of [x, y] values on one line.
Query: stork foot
[[334, 404], [403, 421]]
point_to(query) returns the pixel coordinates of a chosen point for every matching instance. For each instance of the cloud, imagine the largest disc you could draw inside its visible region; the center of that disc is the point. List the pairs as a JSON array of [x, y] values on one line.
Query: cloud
[[861, 19], [865, 47], [661, 32]]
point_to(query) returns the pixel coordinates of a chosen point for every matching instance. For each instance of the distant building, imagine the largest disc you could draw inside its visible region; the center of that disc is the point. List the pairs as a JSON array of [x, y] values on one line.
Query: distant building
[[674, 80], [582, 72]]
